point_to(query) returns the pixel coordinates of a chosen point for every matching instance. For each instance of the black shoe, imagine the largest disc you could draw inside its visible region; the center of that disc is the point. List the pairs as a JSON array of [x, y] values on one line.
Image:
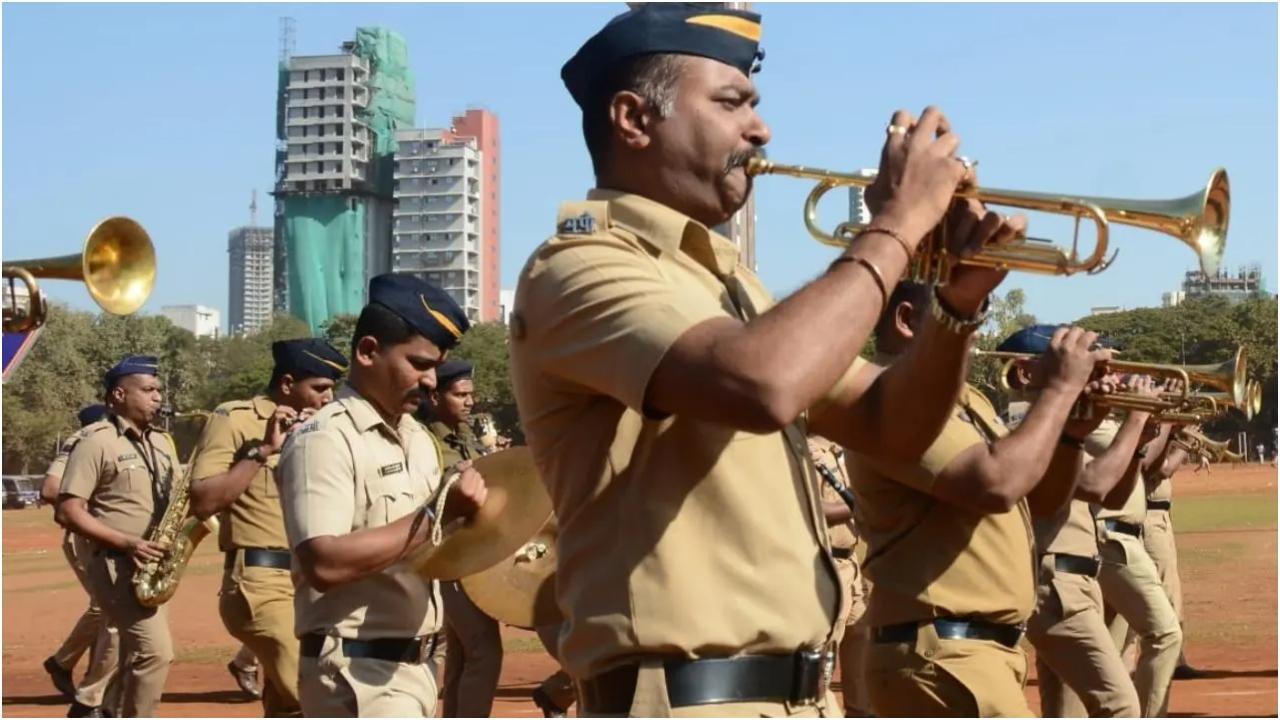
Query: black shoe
[[544, 703], [81, 710], [246, 680], [61, 678], [1186, 672]]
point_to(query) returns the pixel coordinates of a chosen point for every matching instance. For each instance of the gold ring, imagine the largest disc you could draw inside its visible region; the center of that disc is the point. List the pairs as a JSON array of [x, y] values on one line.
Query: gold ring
[[896, 130]]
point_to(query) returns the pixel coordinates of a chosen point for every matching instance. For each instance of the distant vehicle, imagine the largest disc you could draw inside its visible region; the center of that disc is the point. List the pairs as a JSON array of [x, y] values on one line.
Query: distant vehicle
[[21, 491]]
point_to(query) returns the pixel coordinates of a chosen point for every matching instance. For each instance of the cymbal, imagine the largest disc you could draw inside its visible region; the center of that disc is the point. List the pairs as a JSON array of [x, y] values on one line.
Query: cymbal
[[520, 590], [516, 506]]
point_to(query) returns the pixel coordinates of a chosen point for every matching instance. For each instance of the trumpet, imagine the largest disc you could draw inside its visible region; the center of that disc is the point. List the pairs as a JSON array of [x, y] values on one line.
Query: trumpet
[[1196, 443], [1229, 377], [117, 266], [1199, 220]]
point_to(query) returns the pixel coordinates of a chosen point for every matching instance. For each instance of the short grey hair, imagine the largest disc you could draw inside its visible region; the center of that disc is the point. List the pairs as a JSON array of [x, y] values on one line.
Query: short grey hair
[[656, 78]]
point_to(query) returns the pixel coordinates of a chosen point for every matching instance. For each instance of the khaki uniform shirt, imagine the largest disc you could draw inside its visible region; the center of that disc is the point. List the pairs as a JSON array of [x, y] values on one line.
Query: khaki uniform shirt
[[926, 558], [843, 536], [59, 463], [1135, 506], [678, 537], [254, 520], [124, 473], [456, 445], [1162, 491], [1070, 531], [344, 471]]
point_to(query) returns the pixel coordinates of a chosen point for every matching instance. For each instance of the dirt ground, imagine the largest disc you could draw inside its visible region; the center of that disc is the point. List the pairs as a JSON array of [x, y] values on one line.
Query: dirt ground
[[1229, 577]]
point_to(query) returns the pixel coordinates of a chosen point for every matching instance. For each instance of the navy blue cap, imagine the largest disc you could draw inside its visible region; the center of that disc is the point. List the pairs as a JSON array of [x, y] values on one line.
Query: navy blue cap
[[450, 371], [428, 309], [729, 36], [131, 365], [1035, 339], [308, 357], [91, 414]]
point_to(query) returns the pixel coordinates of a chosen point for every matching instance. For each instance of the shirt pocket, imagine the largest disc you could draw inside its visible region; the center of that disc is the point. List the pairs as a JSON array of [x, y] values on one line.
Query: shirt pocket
[[389, 498], [130, 476]]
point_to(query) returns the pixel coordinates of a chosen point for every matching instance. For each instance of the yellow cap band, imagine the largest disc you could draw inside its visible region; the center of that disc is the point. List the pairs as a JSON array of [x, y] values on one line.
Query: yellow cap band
[[741, 27]]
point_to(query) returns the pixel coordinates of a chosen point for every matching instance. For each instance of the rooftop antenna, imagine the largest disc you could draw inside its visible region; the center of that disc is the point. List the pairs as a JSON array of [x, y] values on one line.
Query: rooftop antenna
[[253, 209]]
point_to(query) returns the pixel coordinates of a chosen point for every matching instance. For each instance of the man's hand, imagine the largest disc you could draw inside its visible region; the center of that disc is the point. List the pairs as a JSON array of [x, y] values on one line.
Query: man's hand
[[144, 551], [1071, 359], [1080, 427], [280, 425], [466, 496], [918, 174]]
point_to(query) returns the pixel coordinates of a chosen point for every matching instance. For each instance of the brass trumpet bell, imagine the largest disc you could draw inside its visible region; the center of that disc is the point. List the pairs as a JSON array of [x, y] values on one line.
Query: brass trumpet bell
[[117, 266], [1199, 220]]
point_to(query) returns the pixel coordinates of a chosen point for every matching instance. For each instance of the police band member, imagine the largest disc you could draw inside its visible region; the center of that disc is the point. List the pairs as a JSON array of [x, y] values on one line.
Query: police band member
[[234, 475], [1131, 587], [359, 482], [91, 632], [662, 392], [1077, 664], [114, 490], [949, 539]]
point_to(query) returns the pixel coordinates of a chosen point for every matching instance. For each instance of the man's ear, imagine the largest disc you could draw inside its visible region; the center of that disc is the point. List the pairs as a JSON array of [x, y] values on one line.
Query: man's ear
[[286, 384], [632, 119], [904, 316], [365, 349]]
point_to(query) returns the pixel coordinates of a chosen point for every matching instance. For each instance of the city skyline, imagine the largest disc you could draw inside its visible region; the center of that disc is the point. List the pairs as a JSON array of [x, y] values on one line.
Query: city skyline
[[1081, 99]]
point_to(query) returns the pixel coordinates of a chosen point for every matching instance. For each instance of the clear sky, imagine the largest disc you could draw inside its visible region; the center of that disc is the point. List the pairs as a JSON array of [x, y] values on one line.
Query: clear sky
[[166, 113]]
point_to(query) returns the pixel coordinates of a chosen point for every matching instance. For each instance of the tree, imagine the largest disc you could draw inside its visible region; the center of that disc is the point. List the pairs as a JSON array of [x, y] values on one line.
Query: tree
[[1006, 316], [339, 331], [485, 346]]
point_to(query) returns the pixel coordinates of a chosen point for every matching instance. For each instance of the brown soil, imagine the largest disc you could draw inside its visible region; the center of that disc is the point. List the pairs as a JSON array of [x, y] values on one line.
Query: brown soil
[[1231, 611]]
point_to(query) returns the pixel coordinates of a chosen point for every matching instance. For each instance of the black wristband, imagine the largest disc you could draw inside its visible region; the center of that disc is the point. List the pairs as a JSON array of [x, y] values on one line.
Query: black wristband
[[1065, 439], [242, 453]]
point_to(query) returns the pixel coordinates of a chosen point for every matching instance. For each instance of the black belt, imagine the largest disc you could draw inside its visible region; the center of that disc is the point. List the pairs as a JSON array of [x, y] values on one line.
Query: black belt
[[412, 651], [796, 679], [261, 557], [1159, 504], [1076, 564], [1121, 526], [842, 553], [951, 629]]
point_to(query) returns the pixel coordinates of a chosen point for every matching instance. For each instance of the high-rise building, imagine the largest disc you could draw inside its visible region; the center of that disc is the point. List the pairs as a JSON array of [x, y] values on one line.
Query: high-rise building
[[435, 228], [445, 223], [198, 320], [249, 288], [482, 126], [336, 121]]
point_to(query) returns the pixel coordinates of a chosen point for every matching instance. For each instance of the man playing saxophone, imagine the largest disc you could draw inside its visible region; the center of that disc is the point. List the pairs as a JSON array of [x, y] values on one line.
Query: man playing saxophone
[[114, 491], [233, 473]]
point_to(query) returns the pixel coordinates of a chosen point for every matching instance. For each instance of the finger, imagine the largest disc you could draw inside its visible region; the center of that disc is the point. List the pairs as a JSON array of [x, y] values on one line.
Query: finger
[[896, 141], [1055, 342], [926, 129], [946, 146], [1071, 339], [1088, 339], [1013, 228], [983, 233]]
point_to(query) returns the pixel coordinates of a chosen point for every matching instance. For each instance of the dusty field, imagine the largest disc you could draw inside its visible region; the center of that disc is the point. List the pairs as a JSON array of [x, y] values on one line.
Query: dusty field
[[1226, 544]]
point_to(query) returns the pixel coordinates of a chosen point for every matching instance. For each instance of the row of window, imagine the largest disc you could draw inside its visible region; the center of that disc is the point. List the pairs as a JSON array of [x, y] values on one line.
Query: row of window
[[318, 93], [318, 75], [315, 111]]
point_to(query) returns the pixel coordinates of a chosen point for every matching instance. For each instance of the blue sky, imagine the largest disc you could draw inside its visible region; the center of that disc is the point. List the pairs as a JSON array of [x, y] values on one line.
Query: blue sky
[[166, 113]]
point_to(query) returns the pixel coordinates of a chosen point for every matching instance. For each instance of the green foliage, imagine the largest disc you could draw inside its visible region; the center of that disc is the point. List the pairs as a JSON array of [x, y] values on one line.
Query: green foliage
[[338, 330], [1006, 316]]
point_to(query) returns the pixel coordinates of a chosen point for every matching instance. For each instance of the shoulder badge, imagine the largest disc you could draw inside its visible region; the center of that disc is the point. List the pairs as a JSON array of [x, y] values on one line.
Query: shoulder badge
[[583, 224]]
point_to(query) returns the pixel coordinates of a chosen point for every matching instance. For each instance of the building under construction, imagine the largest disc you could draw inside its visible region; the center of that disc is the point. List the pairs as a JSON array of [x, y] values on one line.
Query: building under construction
[[1245, 283], [336, 119]]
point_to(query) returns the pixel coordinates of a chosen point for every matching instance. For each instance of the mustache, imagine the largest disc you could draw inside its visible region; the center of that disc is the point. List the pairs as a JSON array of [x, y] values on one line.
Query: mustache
[[739, 159]]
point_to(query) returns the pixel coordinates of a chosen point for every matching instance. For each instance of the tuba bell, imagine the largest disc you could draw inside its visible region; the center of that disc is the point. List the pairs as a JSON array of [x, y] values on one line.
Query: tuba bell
[[117, 266]]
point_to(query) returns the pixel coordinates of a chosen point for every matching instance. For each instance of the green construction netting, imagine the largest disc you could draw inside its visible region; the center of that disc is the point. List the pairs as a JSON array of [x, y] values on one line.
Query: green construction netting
[[326, 256], [325, 234]]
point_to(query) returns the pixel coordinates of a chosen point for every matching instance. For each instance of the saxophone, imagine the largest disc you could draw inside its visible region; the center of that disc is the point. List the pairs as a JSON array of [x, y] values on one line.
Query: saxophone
[[156, 582]]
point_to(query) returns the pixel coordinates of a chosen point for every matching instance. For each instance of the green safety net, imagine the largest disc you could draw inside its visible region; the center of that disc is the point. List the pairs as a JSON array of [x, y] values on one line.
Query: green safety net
[[325, 233]]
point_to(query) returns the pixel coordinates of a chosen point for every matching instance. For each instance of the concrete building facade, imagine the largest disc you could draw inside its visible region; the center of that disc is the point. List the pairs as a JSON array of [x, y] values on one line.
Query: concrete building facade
[[199, 320], [249, 293]]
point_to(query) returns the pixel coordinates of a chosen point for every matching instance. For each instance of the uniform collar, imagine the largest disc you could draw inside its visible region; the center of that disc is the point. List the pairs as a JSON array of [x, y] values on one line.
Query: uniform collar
[[365, 415], [440, 430], [263, 406], [125, 427], [668, 230]]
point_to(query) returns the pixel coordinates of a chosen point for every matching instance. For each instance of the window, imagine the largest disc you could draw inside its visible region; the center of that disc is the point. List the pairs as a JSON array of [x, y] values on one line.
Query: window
[[341, 74]]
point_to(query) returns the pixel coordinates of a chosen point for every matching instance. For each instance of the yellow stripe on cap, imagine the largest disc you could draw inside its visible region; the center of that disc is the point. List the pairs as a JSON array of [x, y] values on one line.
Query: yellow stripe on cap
[[330, 363], [441, 318], [739, 26]]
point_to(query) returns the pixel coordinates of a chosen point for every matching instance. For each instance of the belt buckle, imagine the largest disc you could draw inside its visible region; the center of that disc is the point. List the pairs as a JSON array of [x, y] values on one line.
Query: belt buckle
[[812, 674]]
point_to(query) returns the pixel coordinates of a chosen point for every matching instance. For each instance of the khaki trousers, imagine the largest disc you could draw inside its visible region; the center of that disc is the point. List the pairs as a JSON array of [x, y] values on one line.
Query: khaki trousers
[[473, 660], [1131, 588], [146, 650], [1073, 646], [334, 685], [256, 605], [852, 647], [1157, 537], [946, 678], [91, 632]]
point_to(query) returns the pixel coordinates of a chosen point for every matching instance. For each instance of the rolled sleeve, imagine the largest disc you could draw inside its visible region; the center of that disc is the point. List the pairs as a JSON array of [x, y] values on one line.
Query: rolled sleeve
[[215, 450], [1097, 442], [317, 486], [605, 316]]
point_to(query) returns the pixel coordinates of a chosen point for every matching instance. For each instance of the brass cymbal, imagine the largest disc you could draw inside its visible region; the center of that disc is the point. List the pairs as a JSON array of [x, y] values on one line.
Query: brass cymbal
[[517, 505], [520, 590]]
